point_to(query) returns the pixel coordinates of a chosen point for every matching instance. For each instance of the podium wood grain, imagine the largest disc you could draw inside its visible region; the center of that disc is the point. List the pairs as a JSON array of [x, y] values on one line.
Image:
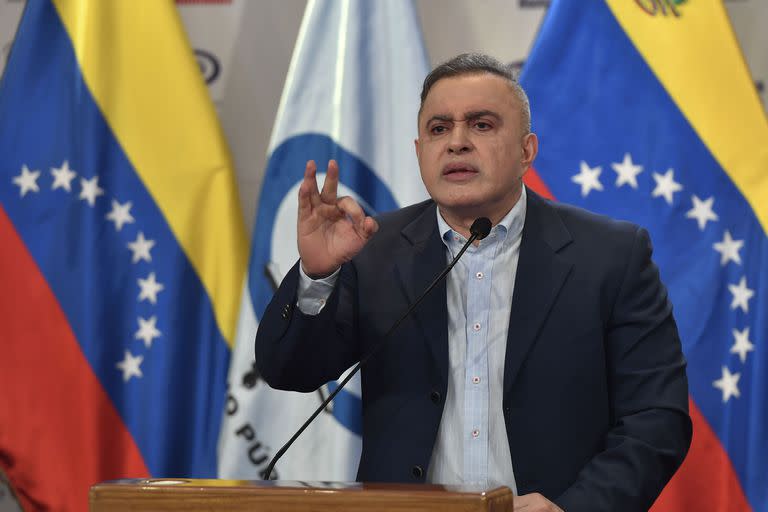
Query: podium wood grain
[[161, 495]]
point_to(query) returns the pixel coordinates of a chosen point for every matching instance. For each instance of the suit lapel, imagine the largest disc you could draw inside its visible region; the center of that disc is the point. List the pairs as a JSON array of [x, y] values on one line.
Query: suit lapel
[[417, 265], [541, 272]]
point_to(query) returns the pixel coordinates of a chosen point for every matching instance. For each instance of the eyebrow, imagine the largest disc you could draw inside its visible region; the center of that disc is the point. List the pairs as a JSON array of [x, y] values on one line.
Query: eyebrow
[[467, 116]]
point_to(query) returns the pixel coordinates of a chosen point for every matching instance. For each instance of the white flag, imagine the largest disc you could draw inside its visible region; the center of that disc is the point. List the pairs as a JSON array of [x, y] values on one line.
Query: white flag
[[352, 94]]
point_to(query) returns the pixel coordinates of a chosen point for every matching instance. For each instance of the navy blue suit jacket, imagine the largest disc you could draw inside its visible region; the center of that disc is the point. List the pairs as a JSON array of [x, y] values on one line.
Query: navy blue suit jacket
[[595, 390]]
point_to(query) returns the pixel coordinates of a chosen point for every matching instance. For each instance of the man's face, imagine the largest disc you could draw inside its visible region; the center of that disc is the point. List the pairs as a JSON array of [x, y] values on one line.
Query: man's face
[[471, 148]]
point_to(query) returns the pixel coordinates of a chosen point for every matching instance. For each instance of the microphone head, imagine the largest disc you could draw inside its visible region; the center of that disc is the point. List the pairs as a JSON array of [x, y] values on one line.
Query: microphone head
[[480, 228]]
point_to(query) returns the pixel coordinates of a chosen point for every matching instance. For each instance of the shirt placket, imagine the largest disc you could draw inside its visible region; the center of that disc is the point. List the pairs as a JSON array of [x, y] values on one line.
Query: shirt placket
[[476, 390]]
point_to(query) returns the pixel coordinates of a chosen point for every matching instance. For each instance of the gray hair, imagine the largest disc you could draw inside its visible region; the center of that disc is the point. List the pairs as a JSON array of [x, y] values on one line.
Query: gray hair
[[473, 64]]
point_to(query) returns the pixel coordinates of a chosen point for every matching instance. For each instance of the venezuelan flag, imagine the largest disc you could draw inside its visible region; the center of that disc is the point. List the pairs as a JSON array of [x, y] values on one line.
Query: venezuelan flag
[[645, 111], [123, 252]]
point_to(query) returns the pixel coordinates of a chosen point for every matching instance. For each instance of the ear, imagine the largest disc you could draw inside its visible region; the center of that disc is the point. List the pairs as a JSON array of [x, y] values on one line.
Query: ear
[[416, 147], [530, 149]]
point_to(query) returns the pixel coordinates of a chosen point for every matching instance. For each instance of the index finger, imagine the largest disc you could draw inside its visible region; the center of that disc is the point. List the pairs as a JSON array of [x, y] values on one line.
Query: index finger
[[309, 195]]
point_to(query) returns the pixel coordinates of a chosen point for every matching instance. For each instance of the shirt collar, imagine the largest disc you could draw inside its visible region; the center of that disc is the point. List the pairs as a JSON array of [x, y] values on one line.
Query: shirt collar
[[510, 226]]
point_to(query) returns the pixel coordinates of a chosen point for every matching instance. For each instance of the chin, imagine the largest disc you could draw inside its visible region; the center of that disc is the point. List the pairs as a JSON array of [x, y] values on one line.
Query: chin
[[462, 204]]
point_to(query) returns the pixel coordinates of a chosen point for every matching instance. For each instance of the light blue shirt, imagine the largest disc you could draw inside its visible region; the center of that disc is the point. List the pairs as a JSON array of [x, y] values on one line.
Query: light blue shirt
[[471, 445]]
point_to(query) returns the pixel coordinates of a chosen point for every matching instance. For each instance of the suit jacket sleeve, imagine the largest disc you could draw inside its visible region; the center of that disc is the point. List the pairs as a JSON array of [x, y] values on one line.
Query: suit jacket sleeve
[[299, 352], [651, 429]]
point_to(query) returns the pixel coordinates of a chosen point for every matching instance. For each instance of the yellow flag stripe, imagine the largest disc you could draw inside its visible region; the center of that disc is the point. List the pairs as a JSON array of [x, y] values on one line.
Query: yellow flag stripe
[[697, 59], [139, 67]]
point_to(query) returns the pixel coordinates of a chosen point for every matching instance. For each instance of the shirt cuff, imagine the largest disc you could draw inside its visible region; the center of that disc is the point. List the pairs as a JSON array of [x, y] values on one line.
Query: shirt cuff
[[313, 293]]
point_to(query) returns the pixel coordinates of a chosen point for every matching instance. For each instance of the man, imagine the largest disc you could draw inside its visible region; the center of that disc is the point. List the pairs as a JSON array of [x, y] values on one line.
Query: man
[[548, 361]]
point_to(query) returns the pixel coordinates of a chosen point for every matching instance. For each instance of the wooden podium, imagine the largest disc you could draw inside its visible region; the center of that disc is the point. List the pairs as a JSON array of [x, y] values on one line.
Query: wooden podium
[[161, 495]]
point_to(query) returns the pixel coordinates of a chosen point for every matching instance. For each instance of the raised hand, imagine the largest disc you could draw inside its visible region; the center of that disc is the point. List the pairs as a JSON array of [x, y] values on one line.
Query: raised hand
[[331, 230]]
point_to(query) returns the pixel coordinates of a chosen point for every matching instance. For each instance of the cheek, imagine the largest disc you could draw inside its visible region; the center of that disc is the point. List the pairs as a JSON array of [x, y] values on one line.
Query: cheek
[[499, 158], [429, 163], [506, 161], [428, 176]]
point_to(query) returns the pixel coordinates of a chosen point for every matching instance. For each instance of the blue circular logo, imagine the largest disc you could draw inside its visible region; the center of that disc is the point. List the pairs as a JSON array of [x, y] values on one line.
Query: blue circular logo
[[274, 239]]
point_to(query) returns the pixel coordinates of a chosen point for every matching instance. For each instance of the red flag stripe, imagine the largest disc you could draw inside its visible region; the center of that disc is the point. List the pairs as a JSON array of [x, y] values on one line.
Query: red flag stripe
[[534, 181], [706, 480], [54, 411]]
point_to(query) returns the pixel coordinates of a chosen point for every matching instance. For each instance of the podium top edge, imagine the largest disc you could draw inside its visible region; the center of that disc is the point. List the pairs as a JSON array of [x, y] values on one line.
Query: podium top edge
[[158, 484]]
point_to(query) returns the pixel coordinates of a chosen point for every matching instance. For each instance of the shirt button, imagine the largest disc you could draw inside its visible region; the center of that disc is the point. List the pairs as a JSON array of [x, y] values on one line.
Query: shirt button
[[475, 380], [476, 327], [322, 302], [479, 275], [476, 433]]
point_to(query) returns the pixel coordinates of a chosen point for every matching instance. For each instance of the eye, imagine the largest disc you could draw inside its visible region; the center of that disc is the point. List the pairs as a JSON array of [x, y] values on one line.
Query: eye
[[437, 129], [482, 125]]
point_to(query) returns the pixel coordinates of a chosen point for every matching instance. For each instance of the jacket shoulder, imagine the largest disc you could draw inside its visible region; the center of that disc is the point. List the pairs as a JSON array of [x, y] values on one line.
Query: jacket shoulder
[[590, 229], [397, 220], [581, 219]]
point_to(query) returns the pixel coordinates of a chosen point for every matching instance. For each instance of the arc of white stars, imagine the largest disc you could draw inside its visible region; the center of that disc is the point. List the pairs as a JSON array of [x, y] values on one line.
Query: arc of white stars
[[130, 366], [741, 295], [728, 383], [90, 190], [702, 211], [62, 177], [149, 288], [729, 249], [148, 331], [666, 186], [140, 248], [120, 214], [27, 181], [741, 344], [626, 172], [588, 178]]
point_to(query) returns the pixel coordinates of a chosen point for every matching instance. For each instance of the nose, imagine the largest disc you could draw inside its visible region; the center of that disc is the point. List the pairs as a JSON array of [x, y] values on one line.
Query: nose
[[459, 143]]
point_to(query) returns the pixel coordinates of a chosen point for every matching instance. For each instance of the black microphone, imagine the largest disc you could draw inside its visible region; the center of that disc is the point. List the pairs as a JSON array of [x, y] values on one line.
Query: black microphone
[[478, 230]]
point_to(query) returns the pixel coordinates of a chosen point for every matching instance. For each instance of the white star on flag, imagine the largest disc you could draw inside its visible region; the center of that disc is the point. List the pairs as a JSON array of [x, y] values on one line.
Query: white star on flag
[[588, 178], [728, 384], [90, 190], [666, 186], [120, 214], [147, 331], [741, 295], [150, 288], [729, 249], [140, 248], [742, 345], [626, 172], [130, 366], [63, 176], [702, 211], [27, 181]]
